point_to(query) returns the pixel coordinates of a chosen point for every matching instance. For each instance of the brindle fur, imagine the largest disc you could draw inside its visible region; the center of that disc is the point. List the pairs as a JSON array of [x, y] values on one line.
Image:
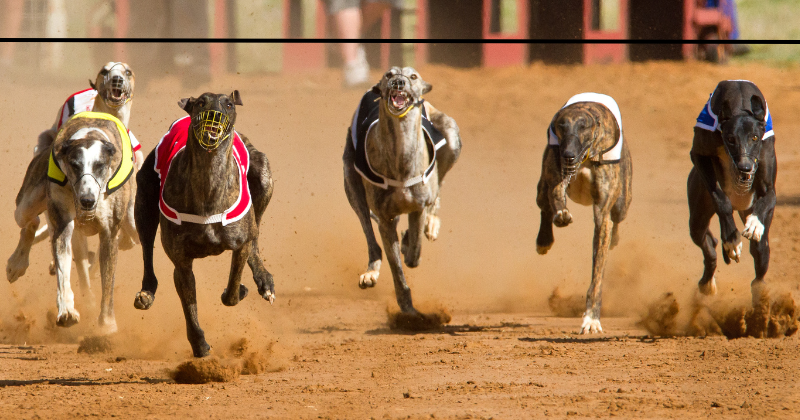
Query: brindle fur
[[68, 215], [711, 189], [204, 182], [31, 199], [397, 150], [605, 186]]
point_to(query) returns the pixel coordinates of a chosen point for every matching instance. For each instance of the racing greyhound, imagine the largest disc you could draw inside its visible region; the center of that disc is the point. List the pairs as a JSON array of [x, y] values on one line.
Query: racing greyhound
[[211, 187], [735, 169], [397, 153], [90, 190], [587, 161], [110, 93]]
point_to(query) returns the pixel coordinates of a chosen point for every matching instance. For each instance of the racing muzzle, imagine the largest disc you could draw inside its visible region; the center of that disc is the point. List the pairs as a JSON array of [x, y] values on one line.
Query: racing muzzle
[[118, 90], [211, 128]]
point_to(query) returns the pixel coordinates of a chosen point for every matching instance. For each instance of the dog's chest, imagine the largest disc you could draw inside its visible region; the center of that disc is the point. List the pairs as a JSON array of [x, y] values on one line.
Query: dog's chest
[[739, 201], [580, 188]]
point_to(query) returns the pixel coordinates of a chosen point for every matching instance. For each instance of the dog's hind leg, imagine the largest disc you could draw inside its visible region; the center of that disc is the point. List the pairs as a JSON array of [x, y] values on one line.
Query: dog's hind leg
[[236, 291], [62, 226], [108, 267], [391, 244], [259, 178], [147, 218], [411, 244], [185, 285], [701, 210], [357, 197]]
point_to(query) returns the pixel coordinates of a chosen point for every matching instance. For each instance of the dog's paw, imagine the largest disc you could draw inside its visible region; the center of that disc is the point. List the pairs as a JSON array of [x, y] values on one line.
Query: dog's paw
[[230, 299], [16, 267], [542, 249], [432, 225], [144, 300], [732, 250], [125, 242], [562, 218], [106, 325], [709, 288], [368, 279], [590, 325], [68, 318], [753, 228]]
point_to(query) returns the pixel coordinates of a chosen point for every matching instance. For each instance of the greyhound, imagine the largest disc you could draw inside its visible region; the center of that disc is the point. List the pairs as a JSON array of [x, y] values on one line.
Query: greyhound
[[398, 151], [90, 190], [735, 169], [587, 161], [110, 93], [203, 177]]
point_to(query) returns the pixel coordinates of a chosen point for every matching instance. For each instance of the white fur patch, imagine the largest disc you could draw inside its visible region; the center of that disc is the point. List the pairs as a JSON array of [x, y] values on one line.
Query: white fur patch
[[89, 185], [368, 279], [753, 228], [590, 325]]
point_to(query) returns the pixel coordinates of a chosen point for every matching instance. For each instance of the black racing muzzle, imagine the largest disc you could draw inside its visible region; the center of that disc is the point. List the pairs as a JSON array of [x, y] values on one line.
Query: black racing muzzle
[[572, 158], [117, 88]]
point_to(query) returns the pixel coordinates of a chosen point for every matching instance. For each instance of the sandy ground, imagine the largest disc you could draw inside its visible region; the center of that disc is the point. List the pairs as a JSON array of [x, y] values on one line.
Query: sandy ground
[[325, 348]]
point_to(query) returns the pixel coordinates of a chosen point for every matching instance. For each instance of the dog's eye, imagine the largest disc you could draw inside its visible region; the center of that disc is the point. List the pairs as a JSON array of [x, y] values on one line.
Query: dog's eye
[[201, 103], [128, 73], [413, 77], [228, 105], [755, 138], [388, 74]]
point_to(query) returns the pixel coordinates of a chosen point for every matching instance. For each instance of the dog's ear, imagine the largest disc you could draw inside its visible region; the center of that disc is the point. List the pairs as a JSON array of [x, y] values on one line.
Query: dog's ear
[[186, 104], [63, 149], [725, 112], [376, 89], [91, 83], [426, 87], [236, 98], [757, 105]]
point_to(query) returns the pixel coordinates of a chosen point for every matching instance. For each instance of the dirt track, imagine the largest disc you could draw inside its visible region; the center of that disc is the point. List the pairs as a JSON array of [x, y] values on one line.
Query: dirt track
[[330, 352]]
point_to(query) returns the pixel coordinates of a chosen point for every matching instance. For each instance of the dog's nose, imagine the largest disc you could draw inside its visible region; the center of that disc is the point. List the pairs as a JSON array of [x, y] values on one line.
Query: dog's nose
[[87, 202], [398, 84], [745, 166], [568, 156]]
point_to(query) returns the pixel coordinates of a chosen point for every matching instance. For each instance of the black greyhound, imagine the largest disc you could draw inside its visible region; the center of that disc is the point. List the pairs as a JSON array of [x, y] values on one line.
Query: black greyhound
[[734, 170], [204, 204]]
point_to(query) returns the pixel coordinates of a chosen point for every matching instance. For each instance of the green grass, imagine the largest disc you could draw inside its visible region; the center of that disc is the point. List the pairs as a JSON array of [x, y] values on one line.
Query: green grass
[[770, 20]]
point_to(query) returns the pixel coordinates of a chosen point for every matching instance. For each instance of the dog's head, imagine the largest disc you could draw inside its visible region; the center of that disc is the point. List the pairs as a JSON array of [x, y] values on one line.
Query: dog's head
[[583, 129], [742, 131], [87, 160], [401, 89], [213, 116], [114, 84]]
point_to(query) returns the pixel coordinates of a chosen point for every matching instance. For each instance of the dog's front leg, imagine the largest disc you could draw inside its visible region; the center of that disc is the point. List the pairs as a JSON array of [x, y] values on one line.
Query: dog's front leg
[[80, 253], [63, 226], [411, 244], [600, 245], [236, 291], [388, 230], [147, 217], [731, 240], [185, 286], [108, 266], [357, 197]]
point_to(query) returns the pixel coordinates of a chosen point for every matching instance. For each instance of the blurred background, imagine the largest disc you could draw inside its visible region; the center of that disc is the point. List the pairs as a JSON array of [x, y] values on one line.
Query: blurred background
[[400, 19]]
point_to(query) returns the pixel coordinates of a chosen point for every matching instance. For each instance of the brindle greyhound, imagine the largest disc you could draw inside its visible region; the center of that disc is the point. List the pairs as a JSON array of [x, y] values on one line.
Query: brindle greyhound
[[90, 166], [204, 179], [735, 169], [114, 86], [398, 173], [587, 161]]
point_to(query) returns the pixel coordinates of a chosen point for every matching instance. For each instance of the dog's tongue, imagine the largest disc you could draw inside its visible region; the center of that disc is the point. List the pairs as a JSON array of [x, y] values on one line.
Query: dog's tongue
[[399, 101]]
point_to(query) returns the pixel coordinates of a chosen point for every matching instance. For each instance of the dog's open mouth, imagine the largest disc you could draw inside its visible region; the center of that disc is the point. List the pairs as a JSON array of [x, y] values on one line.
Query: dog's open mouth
[[744, 180], [399, 100], [118, 90], [211, 128]]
